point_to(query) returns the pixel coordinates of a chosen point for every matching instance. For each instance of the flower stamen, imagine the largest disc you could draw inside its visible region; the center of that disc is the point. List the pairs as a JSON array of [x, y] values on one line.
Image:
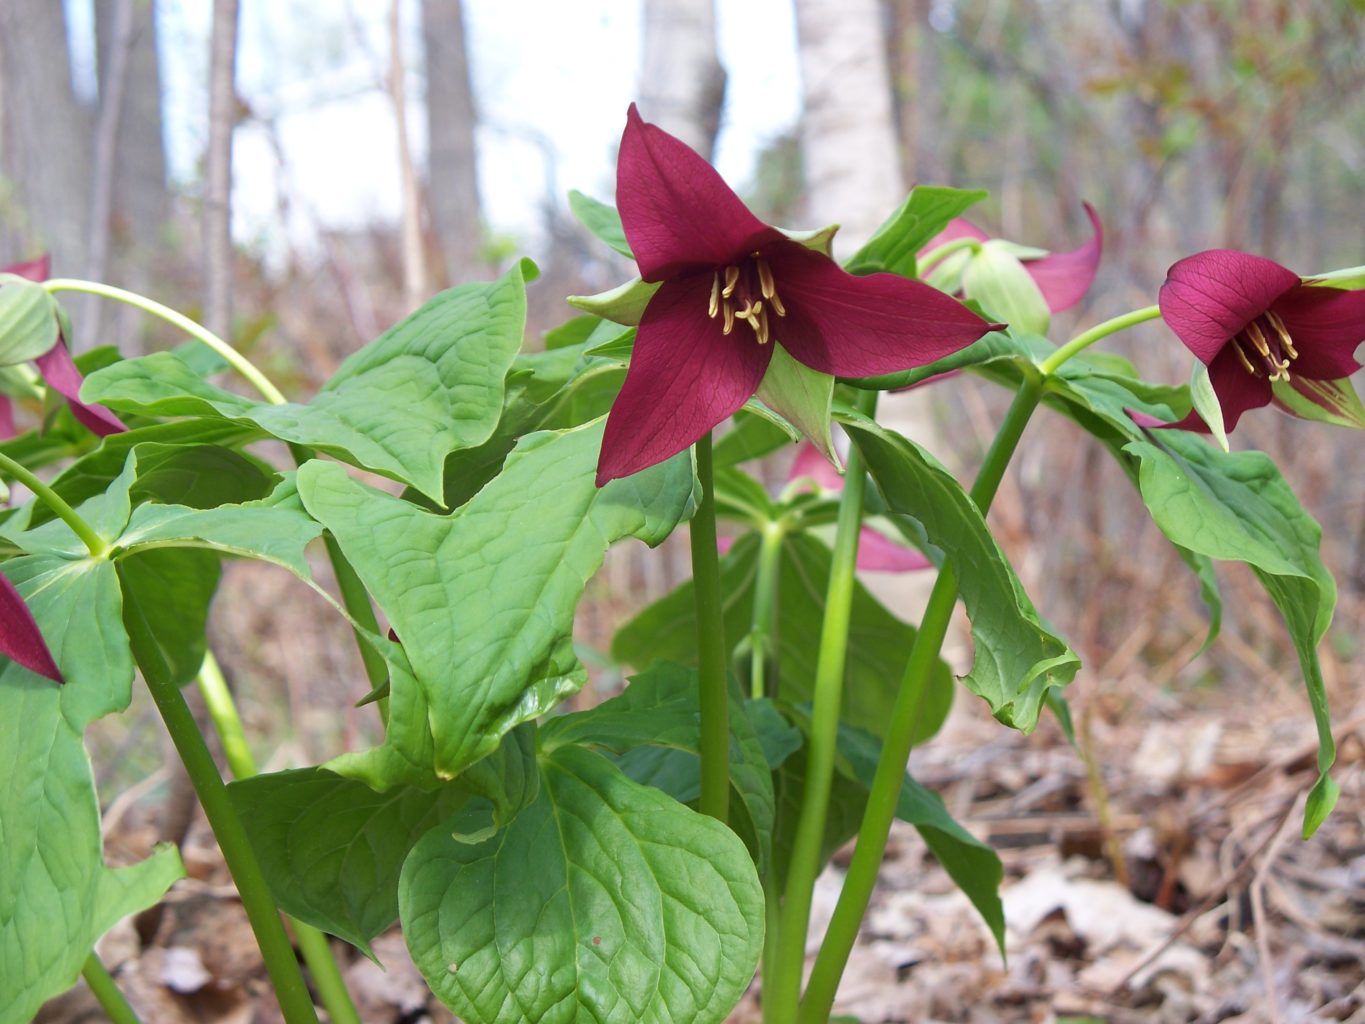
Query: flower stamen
[[731, 281], [1242, 356], [1268, 336], [729, 319], [1286, 342], [714, 306]]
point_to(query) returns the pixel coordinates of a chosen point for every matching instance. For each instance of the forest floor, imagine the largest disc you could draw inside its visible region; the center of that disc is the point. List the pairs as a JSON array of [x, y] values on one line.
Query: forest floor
[[1191, 898]]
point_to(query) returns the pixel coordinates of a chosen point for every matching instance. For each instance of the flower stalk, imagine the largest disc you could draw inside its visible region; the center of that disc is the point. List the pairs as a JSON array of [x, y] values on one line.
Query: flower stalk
[[713, 693], [113, 1002], [94, 543], [763, 630], [1085, 339]]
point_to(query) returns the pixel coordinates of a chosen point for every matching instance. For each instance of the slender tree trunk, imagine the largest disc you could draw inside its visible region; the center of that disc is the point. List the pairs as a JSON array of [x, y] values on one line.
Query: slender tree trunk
[[218, 173], [415, 287], [452, 155], [682, 83]]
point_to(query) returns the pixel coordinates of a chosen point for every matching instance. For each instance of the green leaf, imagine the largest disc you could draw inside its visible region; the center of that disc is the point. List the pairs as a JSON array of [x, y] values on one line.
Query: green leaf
[[106, 513], [1325, 401], [174, 590], [997, 347], [624, 304], [483, 599], [997, 279], [751, 437], [802, 397], [600, 219], [925, 212], [603, 901], [1237, 507], [28, 321], [1017, 659], [332, 848], [430, 385], [659, 710], [877, 646]]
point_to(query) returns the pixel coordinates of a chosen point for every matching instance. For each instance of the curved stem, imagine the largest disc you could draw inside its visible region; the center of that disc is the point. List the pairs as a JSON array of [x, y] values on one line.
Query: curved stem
[[886, 784], [939, 254], [106, 993], [783, 991], [93, 542], [313, 944], [713, 692], [1103, 330], [280, 962], [763, 628], [235, 359]]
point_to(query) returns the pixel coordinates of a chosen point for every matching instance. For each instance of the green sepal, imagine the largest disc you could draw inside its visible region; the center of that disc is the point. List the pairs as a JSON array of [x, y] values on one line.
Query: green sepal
[[996, 278]]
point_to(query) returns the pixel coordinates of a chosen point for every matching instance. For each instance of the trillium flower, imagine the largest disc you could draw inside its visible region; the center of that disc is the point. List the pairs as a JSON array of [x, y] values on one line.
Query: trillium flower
[[1061, 278], [1257, 325], [58, 370], [20, 638], [731, 290]]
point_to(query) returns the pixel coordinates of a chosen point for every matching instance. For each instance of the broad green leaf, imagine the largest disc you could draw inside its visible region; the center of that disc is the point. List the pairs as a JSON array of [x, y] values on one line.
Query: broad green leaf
[[740, 496], [483, 599], [174, 590], [997, 347], [602, 220], [624, 304], [106, 513], [603, 901], [802, 397], [659, 711], [1237, 507], [429, 385], [332, 848], [925, 212], [877, 646], [1017, 659], [752, 436], [28, 321], [997, 279], [1324, 401]]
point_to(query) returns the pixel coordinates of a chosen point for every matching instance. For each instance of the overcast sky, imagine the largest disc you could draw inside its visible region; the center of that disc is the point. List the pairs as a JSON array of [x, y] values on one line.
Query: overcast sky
[[548, 75]]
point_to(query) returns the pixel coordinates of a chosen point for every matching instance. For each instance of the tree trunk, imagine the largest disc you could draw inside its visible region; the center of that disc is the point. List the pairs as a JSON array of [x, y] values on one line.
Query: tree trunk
[[44, 139], [452, 155], [682, 83], [218, 172], [415, 287]]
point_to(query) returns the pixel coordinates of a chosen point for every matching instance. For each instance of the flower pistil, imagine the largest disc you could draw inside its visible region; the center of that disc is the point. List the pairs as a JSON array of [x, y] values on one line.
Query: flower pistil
[[1269, 340]]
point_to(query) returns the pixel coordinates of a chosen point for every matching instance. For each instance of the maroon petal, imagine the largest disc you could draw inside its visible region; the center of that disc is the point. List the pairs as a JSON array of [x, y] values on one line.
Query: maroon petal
[[810, 463], [1210, 296], [685, 376], [1326, 326], [1236, 389], [33, 270], [60, 373], [958, 227], [877, 553], [676, 210], [7, 429], [20, 637], [1065, 277], [863, 326]]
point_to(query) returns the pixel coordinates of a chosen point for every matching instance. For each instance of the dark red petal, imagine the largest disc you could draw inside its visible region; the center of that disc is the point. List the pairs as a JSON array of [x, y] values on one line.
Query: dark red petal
[[1065, 277], [60, 373], [1210, 296], [1326, 326], [685, 376], [7, 429], [862, 326], [1236, 389], [677, 211], [34, 270], [20, 637], [811, 464], [958, 227], [877, 553]]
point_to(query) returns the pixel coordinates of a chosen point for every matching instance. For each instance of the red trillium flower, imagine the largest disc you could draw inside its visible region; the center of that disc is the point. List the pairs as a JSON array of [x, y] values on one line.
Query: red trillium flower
[[1063, 278], [1252, 322], [732, 288], [20, 638], [58, 370]]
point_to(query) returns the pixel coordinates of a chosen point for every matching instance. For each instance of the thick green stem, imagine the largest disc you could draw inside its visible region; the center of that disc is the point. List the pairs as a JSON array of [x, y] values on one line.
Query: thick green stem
[[763, 628], [943, 251], [713, 692], [1085, 339], [106, 993], [230, 355], [782, 992], [94, 543], [886, 784], [278, 954], [313, 944]]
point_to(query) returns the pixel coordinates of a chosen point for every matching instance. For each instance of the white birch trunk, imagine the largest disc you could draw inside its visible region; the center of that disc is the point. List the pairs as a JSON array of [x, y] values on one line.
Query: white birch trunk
[[682, 83]]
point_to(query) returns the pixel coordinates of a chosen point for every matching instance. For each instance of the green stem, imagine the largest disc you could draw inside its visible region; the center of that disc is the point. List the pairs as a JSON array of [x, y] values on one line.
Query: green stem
[[713, 692], [106, 993], [1103, 330], [230, 355], [943, 251], [356, 600], [763, 628], [278, 954], [886, 784], [783, 991], [313, 944], [94, 543]]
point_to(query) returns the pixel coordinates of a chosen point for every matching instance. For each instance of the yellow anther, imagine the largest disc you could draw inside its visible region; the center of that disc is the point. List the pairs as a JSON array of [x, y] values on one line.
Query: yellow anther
[[714, 306], [729, 318], [1286, 342], [1237, 347], [777, 304], [731, 281], [761, 325], [1258, 339], [765, 279]]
